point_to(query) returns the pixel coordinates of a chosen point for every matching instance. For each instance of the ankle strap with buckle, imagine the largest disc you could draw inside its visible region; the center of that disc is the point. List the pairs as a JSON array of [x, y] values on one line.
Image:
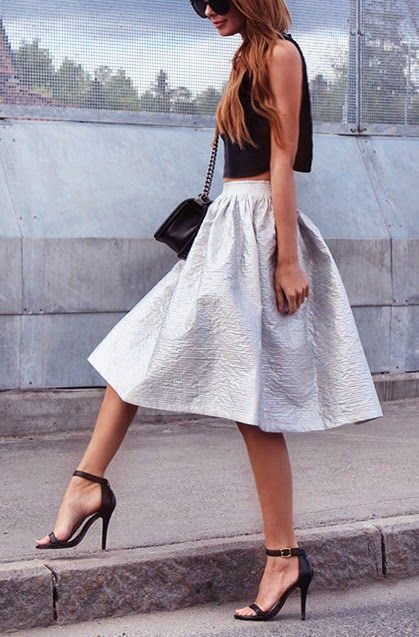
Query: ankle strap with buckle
[[90, 476], [286, 552]]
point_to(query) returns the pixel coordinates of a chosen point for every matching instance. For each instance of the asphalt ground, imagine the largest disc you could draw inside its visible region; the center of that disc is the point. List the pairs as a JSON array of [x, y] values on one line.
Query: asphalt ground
[[187, 527], [193, 481]]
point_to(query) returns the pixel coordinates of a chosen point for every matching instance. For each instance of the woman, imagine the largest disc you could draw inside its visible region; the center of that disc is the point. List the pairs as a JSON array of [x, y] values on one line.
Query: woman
[[255, 325]]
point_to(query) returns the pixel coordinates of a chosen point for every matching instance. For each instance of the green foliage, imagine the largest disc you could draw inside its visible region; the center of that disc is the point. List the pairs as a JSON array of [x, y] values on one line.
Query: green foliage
[[73, 86], [328, 97], [383, 83], [386, 87], [70, 83], [34, 65]]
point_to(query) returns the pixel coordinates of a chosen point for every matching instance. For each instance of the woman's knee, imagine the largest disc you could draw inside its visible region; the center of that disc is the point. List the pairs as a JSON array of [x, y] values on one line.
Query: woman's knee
[[115, 396]]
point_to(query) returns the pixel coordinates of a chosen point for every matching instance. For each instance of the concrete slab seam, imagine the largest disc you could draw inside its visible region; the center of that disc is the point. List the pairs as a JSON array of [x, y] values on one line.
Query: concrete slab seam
[[400, 545], [373, 178], [54, 582], [383, 552], [25, 595]]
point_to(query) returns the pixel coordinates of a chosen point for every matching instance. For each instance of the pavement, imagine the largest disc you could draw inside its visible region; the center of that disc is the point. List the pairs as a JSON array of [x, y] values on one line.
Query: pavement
[[187, 526]]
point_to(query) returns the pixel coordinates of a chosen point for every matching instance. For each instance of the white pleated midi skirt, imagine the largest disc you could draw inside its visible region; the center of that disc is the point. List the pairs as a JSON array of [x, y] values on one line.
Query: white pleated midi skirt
[[208, 337]]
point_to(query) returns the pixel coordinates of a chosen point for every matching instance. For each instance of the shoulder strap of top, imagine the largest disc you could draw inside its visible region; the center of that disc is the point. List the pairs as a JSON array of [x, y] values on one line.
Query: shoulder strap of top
[[304, 156], [291, 39], [306, 89]]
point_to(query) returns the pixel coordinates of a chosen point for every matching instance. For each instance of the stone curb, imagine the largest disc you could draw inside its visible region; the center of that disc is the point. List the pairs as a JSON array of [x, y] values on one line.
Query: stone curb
[[26, 412], [26, 595], [117, 583], [66, 410], [400, 545]]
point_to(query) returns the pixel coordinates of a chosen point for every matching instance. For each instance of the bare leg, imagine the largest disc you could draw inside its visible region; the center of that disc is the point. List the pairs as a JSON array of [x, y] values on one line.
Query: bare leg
[[268, 455], [83, 497]]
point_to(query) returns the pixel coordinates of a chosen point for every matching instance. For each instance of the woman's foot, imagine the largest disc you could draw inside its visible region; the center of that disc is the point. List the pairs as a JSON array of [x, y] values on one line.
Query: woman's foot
[[279, 573], [81, 499]]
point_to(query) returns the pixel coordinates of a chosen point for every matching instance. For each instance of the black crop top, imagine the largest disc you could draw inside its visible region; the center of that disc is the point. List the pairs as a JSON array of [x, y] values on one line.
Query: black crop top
[[253, 161]]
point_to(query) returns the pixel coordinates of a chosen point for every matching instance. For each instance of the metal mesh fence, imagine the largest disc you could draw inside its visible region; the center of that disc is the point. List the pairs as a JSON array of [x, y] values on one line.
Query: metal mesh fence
[[154, 56], [388, 68]]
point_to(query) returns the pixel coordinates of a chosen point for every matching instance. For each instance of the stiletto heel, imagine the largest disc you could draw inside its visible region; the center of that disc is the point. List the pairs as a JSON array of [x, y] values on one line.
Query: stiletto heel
[[105, 524], [305, 575], [304, 591], [105, 511]]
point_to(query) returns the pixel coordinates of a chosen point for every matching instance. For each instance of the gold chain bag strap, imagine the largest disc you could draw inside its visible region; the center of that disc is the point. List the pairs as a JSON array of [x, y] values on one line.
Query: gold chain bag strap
[[180, 228]]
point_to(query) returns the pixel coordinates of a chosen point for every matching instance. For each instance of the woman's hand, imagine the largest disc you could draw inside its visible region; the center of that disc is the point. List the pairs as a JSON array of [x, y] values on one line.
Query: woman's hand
[[291, 287]]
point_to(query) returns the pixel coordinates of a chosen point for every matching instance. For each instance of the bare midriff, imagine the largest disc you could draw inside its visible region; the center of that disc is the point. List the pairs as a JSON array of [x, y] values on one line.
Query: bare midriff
[[265, 175]]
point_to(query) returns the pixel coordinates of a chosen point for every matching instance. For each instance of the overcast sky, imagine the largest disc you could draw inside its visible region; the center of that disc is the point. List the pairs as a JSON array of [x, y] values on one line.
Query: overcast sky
[[143, 36]]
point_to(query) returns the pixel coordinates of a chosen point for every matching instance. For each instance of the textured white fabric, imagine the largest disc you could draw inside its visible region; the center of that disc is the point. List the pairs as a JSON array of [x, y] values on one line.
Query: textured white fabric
[[208, 337]]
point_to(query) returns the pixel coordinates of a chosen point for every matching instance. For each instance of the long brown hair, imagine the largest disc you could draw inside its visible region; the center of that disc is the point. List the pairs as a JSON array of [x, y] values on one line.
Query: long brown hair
[[266, 21]]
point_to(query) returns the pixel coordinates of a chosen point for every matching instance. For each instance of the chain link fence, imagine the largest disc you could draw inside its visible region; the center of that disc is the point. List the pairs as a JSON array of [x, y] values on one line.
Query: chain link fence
[[155, 61]]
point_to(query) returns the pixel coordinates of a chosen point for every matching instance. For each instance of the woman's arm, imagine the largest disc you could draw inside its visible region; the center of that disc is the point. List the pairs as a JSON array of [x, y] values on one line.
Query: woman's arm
[[285, 73]]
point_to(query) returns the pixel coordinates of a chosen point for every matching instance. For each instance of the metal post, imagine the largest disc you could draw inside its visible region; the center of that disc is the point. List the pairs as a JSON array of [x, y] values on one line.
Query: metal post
[[407, 93], [355, 68]]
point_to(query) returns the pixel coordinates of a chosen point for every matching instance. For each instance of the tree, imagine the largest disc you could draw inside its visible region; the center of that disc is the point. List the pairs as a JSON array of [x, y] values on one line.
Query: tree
[[385, 85], [120, 92], [182, 101], [34, 65], [71, 83], [95, 96], [147, 102], [162, 92], [73, 86], [207, 101], [103, 74]]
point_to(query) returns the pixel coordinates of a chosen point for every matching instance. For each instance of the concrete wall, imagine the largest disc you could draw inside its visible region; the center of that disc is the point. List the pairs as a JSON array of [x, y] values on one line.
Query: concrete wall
[[80, 202]]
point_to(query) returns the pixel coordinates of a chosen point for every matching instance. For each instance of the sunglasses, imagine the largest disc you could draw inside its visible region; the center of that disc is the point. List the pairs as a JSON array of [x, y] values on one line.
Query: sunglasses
[[221, 7]]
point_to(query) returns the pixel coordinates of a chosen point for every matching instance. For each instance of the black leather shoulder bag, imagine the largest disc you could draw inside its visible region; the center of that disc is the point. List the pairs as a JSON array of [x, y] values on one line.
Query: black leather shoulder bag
[[180, 228]]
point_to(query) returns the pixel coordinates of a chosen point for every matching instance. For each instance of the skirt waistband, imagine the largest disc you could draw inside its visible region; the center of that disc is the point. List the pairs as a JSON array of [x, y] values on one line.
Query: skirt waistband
[[260, 187]]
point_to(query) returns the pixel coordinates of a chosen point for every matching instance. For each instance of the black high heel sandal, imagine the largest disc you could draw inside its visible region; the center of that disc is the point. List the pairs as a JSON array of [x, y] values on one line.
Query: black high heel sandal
[[106, 509], [305, 575]]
